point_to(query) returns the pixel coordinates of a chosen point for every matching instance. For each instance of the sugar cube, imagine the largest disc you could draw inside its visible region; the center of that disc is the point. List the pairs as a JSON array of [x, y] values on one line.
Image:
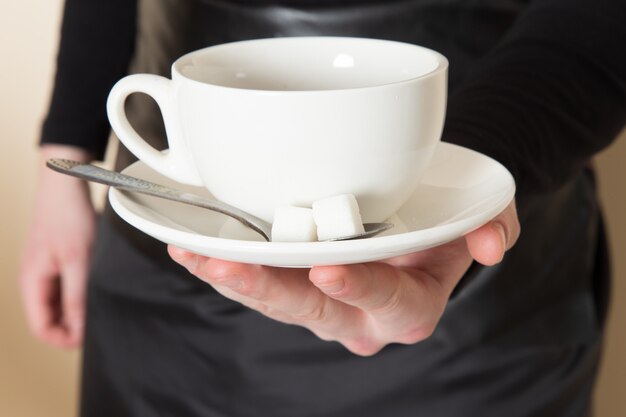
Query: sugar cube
[[337, 216], [293, 224]]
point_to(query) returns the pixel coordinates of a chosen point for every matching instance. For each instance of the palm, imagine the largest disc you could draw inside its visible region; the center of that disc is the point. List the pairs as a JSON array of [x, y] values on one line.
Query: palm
[[362, 306]]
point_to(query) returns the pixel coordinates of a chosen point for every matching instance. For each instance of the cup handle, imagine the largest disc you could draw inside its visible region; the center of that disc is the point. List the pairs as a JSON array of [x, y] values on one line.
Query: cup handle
[[175, 162]]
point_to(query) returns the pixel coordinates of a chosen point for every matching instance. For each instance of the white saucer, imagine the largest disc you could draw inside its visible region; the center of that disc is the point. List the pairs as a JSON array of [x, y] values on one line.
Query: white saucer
[[460, 191]]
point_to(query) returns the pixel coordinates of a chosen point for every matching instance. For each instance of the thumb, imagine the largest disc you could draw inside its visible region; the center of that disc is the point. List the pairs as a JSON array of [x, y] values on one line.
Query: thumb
[[488, 243]]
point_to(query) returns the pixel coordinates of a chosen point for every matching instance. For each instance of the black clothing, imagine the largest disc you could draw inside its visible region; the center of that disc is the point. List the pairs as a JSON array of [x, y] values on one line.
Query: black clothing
[[540, 87], [519, 339]]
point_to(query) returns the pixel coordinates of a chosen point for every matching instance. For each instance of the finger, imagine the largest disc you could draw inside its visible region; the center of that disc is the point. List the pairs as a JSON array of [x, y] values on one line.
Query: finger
[[247, 283], [404, 305], [270, 290], [41, 296], [447, 263], [73, 286], [284, 294], [42, 301], [488, 243]]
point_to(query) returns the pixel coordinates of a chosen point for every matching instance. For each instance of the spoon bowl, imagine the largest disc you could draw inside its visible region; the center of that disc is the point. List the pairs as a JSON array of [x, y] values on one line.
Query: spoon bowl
[[125, 182]]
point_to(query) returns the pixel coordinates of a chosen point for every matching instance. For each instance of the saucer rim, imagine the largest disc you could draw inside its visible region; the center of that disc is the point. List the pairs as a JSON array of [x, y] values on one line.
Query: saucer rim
[[391, 245]]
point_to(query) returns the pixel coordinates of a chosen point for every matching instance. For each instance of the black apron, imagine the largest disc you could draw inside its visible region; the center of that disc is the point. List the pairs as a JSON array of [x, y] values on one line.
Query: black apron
[[522, 338]]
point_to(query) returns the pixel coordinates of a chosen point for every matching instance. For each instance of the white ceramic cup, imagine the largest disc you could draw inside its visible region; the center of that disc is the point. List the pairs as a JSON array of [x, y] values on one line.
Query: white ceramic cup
[[287, 121]]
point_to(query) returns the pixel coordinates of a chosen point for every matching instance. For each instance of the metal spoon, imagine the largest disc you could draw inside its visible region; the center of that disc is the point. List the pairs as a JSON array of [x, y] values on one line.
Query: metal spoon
[[127, 183]]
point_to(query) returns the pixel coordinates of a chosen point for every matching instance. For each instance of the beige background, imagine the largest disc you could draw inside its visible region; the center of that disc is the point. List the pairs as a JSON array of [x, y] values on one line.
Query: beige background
[[36, 380]]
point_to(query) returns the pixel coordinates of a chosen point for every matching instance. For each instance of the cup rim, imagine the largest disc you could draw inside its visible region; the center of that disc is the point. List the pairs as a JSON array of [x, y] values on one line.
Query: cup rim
[[442, 66]]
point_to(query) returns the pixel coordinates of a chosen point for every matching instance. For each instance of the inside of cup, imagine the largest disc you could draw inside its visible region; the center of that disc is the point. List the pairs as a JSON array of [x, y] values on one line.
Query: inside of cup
[[308, 64]]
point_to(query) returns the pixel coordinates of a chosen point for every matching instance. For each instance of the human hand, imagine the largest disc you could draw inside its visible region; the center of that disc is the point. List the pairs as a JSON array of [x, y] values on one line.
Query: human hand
[[362, 306], [55, 259]]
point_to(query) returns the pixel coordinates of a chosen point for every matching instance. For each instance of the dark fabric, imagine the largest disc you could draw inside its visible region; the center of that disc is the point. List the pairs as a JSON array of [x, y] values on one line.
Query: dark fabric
[[526, 103], [519, 339], [528, 85], [97, 44]]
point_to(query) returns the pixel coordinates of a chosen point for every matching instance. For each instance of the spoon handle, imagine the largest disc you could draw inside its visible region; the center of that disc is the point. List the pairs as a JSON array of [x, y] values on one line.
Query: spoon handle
[[127, 183]]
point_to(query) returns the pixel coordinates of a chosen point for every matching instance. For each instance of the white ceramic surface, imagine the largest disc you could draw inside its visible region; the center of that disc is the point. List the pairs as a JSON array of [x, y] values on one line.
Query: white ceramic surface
[[459, 191], [287, 121]]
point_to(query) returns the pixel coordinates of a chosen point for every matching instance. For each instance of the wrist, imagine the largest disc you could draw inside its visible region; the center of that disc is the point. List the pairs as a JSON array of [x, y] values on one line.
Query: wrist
[[56, 186]]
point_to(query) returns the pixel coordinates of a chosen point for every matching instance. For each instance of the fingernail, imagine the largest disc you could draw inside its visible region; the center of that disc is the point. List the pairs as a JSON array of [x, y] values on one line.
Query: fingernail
[[176, 252], [500, 229], [181, 256]]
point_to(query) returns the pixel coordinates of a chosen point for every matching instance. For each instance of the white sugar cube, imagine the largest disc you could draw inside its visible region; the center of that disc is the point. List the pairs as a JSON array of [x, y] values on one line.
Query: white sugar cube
[[337, 217], [293, 224]]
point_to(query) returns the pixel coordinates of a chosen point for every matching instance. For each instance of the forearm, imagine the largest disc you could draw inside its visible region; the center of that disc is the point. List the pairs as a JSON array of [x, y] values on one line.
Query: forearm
[[61, 188], [97, 42]]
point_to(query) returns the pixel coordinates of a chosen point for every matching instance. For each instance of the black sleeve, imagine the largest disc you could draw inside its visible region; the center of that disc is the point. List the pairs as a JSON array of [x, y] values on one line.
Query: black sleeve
[[97, 42], [550, 95]]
